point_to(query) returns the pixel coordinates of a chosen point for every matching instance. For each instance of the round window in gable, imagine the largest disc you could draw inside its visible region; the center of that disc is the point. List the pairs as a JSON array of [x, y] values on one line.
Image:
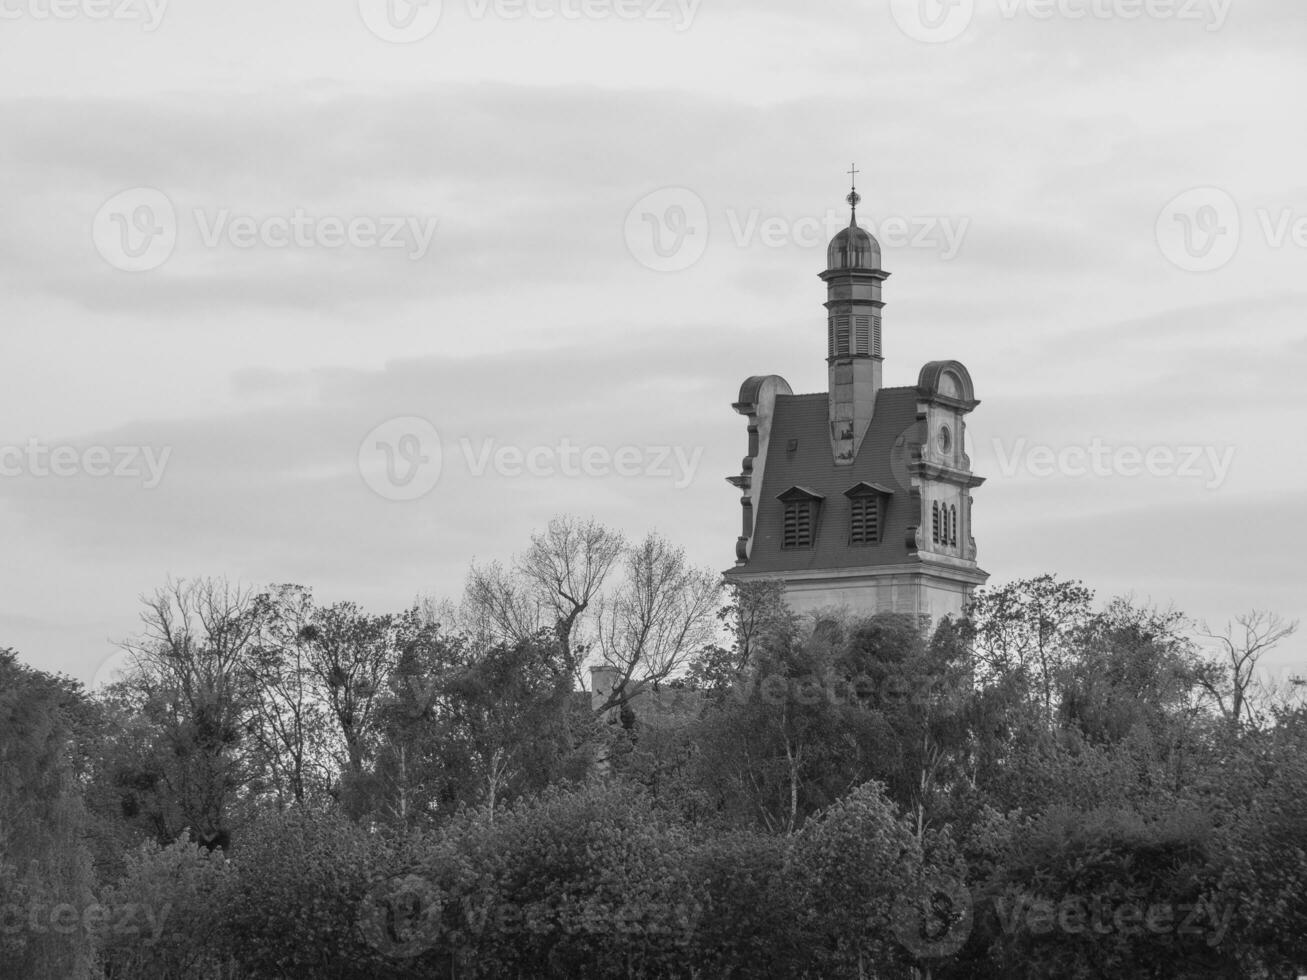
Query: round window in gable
[[945, 439]]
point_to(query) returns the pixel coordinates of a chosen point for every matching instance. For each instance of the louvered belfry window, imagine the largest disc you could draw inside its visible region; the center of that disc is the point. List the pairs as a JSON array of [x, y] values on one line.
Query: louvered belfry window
[[841, 336], [934, 522], [864, 519], [798, 523], [862, 334]]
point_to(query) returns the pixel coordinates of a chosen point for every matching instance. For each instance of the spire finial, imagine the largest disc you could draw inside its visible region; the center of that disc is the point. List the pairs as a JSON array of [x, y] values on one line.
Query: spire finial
[[854, 197]]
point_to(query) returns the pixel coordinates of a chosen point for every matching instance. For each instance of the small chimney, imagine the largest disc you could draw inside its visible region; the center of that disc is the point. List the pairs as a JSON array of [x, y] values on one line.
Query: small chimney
[[603, 679]]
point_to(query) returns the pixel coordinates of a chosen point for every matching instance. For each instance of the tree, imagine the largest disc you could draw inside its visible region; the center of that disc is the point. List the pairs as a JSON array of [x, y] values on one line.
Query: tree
[[44, 862], [755, 616], [1024, 631], [176, 894], [291, 718], [498, 606], [828, 708], [566, 566], [463, 726], [193, 683], [587, 882], [351, 655], [1231, 677], [551, 585], [1121, 892], [642, 607], [663, 612], [1264, 857], [855, 862]]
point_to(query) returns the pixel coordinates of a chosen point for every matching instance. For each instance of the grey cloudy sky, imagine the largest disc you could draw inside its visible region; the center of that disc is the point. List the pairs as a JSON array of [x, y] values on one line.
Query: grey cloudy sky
[[1098, 205]]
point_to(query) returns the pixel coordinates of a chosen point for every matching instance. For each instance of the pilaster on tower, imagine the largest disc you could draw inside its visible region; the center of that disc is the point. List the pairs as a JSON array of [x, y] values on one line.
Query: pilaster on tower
[[853, 280]]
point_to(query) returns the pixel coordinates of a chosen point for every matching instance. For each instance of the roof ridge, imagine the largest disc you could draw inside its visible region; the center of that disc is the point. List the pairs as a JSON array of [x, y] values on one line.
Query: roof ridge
[[823, 394]]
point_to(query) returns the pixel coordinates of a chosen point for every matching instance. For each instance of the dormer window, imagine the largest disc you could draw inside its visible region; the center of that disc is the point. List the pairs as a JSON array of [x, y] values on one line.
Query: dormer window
[[799, 523], [866, 512], [864, 520]]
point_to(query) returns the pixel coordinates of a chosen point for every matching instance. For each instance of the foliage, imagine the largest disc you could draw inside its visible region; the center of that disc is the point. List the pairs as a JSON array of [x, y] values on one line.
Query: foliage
[[45, 868], [159, 917], [856, 860], [292, 907], [1040, 789]]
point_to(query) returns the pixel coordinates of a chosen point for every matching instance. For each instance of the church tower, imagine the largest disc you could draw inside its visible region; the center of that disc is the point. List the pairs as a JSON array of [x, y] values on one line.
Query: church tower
[[853, 321], [859, 497]]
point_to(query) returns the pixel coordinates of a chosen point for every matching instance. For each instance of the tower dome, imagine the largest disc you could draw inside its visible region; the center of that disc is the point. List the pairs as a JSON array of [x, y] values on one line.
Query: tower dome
[[853, 248]]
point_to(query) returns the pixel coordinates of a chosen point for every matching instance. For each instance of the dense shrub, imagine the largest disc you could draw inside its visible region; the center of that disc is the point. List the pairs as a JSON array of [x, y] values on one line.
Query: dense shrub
[[292, 908], [46, 878], [858, 863], [584, 883], [1263, 859], [160, 918], [1110, 893], [750, 914]]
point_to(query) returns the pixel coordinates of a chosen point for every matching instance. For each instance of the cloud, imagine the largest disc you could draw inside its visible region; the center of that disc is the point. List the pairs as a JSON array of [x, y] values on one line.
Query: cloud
[[530, 321]]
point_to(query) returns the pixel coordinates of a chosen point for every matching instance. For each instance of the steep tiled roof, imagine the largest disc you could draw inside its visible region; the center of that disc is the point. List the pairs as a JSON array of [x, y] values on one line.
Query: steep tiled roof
[[802, 420]]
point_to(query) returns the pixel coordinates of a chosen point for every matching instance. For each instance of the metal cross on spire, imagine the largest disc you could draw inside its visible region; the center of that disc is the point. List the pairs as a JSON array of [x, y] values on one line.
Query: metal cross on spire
[[854, 197]]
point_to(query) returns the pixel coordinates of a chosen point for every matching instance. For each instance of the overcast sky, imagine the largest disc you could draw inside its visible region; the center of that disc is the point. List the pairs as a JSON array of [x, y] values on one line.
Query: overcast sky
[[236, 238]]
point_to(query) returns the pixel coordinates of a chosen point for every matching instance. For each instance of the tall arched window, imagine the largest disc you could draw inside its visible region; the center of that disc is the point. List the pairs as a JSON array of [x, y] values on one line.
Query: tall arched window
[[953, 524], [934, 522]]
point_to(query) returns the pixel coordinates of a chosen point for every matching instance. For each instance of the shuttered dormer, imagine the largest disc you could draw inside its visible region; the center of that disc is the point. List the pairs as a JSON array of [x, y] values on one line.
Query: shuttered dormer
[[867, 504], [799, 524]]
